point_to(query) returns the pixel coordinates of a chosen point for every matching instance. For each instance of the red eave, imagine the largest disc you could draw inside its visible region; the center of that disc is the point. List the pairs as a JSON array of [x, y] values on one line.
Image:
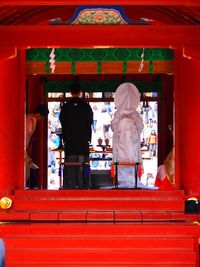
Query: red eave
[[100, 36], [99, 2]]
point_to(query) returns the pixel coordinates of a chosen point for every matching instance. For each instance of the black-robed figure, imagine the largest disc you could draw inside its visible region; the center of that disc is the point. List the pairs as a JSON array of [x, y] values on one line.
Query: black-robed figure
[[76, 119]]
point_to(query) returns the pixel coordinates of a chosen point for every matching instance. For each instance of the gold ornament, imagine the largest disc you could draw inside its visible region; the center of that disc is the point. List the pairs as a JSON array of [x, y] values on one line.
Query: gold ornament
[[5, 203]]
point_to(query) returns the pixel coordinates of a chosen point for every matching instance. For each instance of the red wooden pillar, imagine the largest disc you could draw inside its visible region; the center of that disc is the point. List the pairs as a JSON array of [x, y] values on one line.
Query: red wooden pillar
[[12, 120], [187, 121], [165, 109]]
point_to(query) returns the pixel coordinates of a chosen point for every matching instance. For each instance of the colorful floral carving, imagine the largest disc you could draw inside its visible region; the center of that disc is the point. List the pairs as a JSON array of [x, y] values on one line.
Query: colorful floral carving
[[110, 15], [98, 16]]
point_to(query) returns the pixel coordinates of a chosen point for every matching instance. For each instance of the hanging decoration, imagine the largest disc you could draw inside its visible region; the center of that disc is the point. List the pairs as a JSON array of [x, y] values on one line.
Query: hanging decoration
[[141, 66], [99, 61], [52, 60]]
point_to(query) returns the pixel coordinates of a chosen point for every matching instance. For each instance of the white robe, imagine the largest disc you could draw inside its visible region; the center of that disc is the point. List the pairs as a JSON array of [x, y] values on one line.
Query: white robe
[[127, 128]]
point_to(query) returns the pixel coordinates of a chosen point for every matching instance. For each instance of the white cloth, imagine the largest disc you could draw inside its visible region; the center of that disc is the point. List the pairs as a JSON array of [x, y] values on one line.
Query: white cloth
[[127, 126], [127, 97]]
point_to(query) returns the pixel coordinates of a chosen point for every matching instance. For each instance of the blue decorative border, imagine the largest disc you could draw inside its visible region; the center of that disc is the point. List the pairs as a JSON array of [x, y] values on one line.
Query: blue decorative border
[[80, 9]]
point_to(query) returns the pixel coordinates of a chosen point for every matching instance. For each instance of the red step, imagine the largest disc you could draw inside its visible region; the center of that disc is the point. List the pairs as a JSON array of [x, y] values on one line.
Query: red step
[[83, 257], [97, 205], [97, 244], [111, 243], [144, 194], [119, 230], [98, 200], [97, 216]]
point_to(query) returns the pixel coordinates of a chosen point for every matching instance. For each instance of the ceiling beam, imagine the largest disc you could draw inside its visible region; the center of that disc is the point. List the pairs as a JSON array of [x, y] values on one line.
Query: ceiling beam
[[99, 2], [191, 52], [82, 36], [7, 53]]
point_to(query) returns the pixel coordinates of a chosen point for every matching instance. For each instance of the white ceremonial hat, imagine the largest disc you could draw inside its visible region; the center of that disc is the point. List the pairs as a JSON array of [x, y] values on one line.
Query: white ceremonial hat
[[127, 97]]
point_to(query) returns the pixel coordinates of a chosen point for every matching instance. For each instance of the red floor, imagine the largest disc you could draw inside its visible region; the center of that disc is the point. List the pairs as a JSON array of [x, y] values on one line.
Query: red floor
[[100, 228]]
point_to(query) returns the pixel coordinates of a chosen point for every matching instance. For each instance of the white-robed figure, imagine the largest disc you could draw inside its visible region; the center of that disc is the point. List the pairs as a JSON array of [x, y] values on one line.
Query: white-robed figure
[[127, 126]]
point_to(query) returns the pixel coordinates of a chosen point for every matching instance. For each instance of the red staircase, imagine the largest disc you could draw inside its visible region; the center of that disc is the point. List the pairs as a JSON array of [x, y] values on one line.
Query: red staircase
[[100, 228]]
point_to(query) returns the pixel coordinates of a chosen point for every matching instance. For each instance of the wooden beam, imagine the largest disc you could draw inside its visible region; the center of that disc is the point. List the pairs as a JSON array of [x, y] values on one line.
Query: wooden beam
[[100, 36], [191, 52], [7, 52], [99, 2]]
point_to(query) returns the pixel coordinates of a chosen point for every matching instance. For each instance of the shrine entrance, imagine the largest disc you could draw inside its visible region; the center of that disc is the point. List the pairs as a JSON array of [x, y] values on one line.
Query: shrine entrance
[[99, 81], [103, 110], [99, 227]]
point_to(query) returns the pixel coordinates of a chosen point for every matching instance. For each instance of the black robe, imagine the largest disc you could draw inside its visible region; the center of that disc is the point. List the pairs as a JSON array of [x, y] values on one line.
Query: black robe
[[76, 119]]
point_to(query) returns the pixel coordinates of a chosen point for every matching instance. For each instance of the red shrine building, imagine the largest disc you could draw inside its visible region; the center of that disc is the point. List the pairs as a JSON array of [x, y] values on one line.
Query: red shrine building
[[154, 44]]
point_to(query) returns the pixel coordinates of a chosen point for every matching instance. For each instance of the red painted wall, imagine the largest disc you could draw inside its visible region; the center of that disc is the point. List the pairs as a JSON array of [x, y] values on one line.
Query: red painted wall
[[11, 126], [187, 124]]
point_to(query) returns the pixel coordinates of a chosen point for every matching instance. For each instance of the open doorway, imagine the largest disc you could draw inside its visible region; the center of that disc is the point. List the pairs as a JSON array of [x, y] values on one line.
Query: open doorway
[[109, 67], [101, 145]]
